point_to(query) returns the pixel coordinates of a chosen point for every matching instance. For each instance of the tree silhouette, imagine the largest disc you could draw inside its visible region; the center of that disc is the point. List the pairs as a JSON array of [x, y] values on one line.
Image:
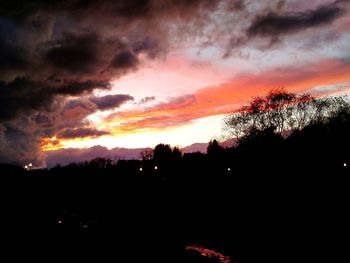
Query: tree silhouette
[[177, 154], [284, 111], [162, 152], [214, 148]]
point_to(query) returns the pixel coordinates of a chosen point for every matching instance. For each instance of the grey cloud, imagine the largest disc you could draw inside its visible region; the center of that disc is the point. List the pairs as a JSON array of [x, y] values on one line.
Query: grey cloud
[[147, 99], [274, 24], [111, 101], [148, 45]]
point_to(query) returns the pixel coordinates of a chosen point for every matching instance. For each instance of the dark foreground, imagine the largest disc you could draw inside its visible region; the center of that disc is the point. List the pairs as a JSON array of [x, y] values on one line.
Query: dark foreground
[[291, 218]]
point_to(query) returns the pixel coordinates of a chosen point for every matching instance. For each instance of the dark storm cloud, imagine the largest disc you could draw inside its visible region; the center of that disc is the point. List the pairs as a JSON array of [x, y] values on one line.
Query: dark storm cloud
[[81, 133], [273, 24], [74, 54], [80, 37], [125, 60], [24, 96], [90, 55], [18, 146], [77, 88], [111, 101], [129, 9], [12, 56]]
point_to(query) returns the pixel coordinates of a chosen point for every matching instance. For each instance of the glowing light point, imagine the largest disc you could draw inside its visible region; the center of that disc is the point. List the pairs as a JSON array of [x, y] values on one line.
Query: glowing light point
[[228, 169], [345, 165], [141, 169], [156, 167], [59, 222], [26, 167], [30, 165]]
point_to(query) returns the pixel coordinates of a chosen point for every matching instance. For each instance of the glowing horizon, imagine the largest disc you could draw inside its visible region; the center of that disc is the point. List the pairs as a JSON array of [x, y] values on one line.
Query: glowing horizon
[[140, 125]]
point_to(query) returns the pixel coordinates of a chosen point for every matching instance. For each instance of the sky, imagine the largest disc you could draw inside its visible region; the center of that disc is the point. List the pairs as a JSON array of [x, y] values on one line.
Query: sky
[[135, 73]]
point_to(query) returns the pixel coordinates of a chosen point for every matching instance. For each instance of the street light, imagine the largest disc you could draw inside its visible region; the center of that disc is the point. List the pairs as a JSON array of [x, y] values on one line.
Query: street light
[[141, 169], [26, 167], [345, 165], [228, 169], [30, 166], [156, 167]]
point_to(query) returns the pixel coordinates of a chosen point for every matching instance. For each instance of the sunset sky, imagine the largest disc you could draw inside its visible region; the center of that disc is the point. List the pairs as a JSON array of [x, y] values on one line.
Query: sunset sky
[[135, 73]]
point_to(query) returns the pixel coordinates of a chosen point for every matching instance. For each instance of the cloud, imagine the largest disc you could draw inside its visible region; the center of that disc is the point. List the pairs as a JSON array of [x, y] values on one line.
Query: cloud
[[147, 99], [20, 146], [130, 10], [125, 60], [111, 101], [261, 25], [81, 133], [273, 24], [12, 57], [24, 96], [74, 88], [77, 109], [337, 88], [74, 112], [74, 53]]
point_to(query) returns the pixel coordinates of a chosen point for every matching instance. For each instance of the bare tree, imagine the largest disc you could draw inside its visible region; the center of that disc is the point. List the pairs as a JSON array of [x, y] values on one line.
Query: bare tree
[[283, 111]]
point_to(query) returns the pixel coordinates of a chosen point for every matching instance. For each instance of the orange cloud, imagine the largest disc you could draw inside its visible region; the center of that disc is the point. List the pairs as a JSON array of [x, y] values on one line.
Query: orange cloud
[[49, 144]]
